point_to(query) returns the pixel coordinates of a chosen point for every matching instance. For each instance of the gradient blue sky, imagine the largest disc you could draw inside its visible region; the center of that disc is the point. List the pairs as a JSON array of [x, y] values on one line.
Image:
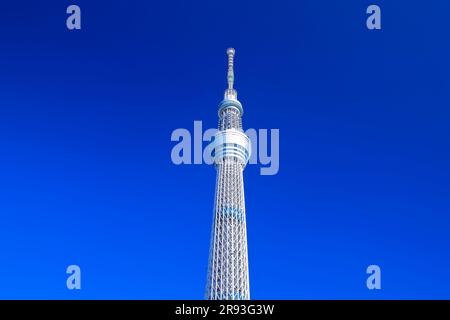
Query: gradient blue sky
[[86, 117]]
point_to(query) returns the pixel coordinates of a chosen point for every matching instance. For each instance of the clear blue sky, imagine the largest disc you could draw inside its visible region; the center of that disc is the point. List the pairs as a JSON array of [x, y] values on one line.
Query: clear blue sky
[[86, 117]]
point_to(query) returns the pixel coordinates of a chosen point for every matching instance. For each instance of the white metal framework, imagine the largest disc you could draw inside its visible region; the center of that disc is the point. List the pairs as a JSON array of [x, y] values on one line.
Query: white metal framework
[[228, 260]]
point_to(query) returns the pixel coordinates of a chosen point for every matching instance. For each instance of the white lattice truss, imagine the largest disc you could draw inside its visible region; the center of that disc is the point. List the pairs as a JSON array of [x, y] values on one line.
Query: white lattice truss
[[228, 276]]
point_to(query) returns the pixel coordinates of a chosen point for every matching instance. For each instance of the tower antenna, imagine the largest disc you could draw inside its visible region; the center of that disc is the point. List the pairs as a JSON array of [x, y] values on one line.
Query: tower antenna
[[230, 93], [230, 75]]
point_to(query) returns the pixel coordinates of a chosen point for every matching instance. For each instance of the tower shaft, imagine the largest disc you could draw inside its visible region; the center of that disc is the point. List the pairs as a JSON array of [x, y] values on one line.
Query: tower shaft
[[228, 276]]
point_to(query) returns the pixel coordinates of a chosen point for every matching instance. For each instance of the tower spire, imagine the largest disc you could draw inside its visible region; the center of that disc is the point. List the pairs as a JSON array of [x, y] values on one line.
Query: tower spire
[[230, 93], [230, 75]]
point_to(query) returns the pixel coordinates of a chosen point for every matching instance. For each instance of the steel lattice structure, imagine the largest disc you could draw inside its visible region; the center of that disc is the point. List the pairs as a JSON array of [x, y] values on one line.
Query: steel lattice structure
[[228, 277]]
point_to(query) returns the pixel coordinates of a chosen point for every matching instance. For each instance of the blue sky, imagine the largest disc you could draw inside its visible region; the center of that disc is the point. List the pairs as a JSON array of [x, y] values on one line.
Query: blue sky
[[86, 176]]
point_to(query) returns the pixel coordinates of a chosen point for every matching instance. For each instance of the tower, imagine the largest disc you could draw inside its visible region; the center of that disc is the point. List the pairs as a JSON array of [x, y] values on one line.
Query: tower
[[228, 260]]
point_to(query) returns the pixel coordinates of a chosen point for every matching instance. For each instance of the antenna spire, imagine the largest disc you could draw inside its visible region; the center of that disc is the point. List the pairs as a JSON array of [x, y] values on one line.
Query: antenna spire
[[230, 93], [230, 76]]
